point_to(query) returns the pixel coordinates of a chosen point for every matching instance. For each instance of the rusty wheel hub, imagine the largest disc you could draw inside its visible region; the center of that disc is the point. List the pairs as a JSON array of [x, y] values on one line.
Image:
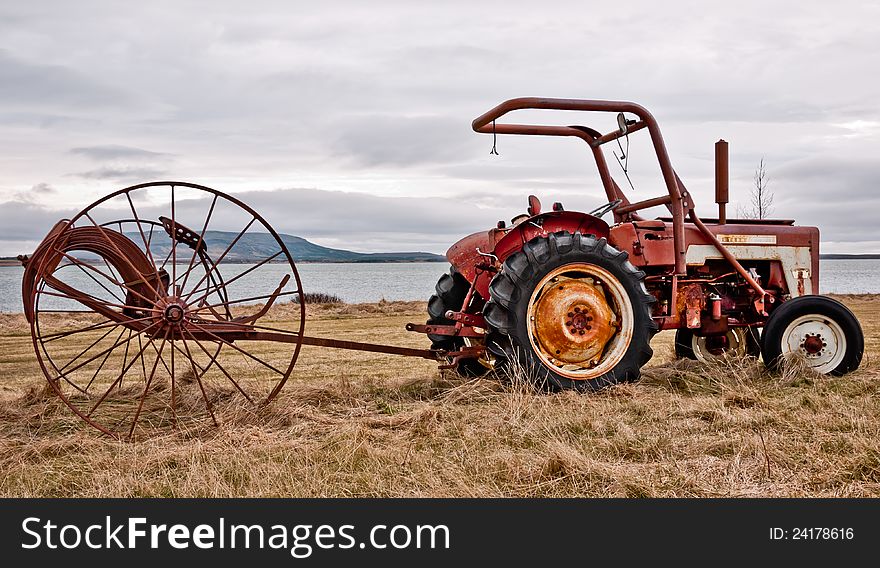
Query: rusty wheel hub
[[573, 321], [813, 344], [576, 317], [171, 311]]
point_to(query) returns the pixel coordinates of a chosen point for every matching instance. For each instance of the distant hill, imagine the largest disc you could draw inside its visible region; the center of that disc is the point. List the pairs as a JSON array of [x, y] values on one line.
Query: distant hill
[[256, 246]]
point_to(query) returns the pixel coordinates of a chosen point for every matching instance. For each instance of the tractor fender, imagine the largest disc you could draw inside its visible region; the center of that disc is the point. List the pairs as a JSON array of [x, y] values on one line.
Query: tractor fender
[[465, 258]]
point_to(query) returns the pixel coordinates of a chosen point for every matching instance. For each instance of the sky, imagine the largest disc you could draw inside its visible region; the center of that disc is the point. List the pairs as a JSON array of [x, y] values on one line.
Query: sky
[[348, 123]]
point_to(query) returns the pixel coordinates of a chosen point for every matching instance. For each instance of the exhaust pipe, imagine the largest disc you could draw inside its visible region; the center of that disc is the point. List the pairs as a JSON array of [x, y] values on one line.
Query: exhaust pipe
[[721, 180]]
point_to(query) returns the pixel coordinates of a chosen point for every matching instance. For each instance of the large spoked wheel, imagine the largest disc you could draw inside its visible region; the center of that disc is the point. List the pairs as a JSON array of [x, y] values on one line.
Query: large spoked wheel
[[451, 291], [575, 310], [737, 342], [821, 331], [157, 302]]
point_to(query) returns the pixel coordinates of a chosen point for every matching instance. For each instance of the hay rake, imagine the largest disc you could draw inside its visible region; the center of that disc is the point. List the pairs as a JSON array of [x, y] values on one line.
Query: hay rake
[[134, 316]]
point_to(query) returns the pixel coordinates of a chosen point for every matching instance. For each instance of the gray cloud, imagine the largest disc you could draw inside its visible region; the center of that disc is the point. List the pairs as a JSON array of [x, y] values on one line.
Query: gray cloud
[[405, 141], [23, 221], [122, 174], [117, 152], [30, 85], [43, 189], [371, 103]]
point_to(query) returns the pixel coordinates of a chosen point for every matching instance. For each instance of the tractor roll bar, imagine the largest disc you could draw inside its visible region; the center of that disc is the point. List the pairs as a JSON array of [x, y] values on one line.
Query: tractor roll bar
[[677, 199]]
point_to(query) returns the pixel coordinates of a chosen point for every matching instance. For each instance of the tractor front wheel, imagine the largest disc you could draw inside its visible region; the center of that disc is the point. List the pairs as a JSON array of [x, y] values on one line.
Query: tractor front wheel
[[576, 313], [451, 290], [822, 331]]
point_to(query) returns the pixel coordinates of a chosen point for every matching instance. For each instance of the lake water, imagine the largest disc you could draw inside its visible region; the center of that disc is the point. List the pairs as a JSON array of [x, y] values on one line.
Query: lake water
[[415, 281]]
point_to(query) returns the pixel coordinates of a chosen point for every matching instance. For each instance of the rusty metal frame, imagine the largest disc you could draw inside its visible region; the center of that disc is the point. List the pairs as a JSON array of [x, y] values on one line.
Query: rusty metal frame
[[677, 199]]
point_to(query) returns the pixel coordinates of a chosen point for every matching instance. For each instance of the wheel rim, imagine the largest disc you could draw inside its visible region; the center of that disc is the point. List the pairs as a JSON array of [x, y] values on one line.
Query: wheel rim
[[122, 338], [712, 348], [819, 340], [580, 321]]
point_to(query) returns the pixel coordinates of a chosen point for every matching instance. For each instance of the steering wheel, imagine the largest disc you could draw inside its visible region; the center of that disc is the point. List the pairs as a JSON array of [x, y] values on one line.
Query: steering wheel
[[601, 210]]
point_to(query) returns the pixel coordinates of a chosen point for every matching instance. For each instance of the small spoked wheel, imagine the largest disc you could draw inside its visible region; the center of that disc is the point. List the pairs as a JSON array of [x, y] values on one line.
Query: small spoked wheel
[[738, 342], [153, 305], [575, 313], [819, 330]]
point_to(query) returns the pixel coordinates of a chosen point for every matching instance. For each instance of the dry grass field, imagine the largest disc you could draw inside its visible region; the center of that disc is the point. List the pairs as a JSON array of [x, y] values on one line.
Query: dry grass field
[[356, 424]]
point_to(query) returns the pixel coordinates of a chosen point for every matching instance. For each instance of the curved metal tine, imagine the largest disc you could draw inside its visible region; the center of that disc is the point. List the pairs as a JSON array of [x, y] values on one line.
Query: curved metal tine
[[140, 354], [114, 346], [199, 379], [237, 348], [164, 364], [78, 262], [110, 268], [199, 242], [107, 264], [60, 376], [222, 256], [103, 361], [173, 386], [67, 311], [51, 361], [215, 360], [143, 363], [64, 375], [137, 414], [211, 289], [125, 355], [203, 370], [150, 242], [50, 337], [173, 245], [252, 298], [140, 229], [130, 264], [120, 380], [87, 273], [222, 294], [266, 307], [58, 294], [84, 351], [182, 352], [167, 258]]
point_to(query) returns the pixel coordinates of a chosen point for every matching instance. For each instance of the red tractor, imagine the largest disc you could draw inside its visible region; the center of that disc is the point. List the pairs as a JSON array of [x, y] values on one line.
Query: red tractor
[[573, 302]]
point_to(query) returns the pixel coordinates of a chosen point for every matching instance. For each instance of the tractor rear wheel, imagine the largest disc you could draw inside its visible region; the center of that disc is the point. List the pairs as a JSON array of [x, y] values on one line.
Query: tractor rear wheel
[[576, 313], [821, 330], [738, 341], [451, 291]]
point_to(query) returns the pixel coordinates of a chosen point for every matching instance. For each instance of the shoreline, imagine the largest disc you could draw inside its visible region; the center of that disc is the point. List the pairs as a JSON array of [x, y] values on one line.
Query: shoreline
[[352, 307]]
